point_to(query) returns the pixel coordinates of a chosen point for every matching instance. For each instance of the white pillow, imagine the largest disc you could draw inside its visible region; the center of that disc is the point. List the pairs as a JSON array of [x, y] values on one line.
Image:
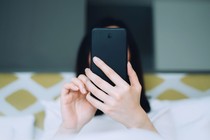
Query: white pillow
[[6, 132], [192, 118], [18, 127], [52, 118], [162, 120]]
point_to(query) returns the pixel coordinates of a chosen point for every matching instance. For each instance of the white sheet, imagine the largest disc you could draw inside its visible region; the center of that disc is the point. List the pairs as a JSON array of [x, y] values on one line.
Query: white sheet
[[181, 120], [127, 134]]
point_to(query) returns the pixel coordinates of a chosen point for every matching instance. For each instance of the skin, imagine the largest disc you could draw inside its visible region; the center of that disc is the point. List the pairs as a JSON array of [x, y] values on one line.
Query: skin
[[121, 102]]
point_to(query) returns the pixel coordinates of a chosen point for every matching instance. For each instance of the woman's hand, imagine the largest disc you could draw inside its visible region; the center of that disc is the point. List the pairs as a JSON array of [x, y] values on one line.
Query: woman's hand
[[75, 109], [122, 101]]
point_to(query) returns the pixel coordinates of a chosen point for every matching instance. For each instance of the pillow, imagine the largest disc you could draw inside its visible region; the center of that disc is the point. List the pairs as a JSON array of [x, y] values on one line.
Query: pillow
[[18, 127], [6, 132], [52, 119], [191, 117], [162, 120]]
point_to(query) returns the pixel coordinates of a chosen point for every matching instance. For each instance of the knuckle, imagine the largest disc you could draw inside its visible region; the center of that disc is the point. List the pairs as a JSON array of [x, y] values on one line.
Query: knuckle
[[98, 81], [113, 104], [126, 88], [110, 72], [88, 97], [92, 88], [138, 87], [108, 110], [118, 97]]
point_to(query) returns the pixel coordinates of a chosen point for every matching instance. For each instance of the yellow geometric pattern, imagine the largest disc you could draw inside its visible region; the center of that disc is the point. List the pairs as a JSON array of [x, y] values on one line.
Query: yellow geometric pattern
[[47, 79], [21, 99], [6, 78], [152, 81], [39, 119], [1, 114], [171, 94], [198, 81]]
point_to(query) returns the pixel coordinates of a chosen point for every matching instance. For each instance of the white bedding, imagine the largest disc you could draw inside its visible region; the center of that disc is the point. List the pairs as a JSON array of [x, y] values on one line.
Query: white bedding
[[127, 134], [175, 120], [181, 120], [191, 117], [17, 127]]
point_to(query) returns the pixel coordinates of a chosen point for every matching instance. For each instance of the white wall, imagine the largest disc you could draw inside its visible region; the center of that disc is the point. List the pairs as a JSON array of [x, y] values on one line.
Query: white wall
[[182, 35]]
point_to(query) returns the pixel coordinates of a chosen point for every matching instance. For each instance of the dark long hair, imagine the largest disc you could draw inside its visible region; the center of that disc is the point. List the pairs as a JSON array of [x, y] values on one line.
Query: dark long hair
[[84, 50]]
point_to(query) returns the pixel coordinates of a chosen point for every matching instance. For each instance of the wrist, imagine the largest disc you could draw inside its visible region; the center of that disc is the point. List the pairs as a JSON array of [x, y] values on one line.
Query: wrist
[[65, 129], [65, 132], [141, 120]]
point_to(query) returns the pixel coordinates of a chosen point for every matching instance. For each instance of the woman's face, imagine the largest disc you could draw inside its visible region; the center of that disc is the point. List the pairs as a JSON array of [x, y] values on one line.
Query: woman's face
[[111, 26]]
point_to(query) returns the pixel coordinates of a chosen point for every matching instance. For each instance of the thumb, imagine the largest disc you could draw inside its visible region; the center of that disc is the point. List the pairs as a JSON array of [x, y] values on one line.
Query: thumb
[[134, 81]]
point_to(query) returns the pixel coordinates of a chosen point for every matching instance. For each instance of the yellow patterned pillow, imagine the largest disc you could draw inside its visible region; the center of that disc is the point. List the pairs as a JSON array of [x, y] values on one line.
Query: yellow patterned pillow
[[22, 92], [175, 86]]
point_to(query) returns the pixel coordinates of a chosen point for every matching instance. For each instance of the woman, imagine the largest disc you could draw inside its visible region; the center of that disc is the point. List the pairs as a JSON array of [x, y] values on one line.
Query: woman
[[125, 102]]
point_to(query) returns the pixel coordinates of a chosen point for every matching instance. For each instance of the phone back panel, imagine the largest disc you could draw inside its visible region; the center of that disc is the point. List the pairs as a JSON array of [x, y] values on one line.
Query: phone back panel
[[109, 44]]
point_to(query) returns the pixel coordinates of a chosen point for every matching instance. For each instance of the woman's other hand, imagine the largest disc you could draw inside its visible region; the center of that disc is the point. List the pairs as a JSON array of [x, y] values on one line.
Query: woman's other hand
[[122, 101], [75, 109]]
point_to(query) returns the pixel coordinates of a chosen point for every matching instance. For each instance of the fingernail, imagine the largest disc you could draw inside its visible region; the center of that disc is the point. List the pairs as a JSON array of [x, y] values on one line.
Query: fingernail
[[129, 63], [95, 59], [87, 70]]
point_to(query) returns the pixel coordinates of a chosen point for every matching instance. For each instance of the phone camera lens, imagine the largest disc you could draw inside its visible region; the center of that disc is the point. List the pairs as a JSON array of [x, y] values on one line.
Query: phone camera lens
[[109, 35]]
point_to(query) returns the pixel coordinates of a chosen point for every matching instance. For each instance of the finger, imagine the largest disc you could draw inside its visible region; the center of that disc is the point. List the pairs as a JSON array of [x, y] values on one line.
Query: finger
[[134, 81], [84, 80], [64, 92], [110, 73], [70, 86], [97, 92], [79, 84], [67, 88], [99, 82], [96, 103]]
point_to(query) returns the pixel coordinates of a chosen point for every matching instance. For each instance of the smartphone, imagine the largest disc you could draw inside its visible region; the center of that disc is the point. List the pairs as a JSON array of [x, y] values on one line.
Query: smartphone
[[110, 45]]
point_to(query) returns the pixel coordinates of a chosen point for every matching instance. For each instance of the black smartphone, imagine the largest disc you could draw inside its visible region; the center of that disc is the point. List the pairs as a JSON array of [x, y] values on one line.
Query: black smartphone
[[110, 45]]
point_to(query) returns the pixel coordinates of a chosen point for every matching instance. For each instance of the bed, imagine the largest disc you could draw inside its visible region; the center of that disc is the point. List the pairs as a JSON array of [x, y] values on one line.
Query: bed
[[29, 107]]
